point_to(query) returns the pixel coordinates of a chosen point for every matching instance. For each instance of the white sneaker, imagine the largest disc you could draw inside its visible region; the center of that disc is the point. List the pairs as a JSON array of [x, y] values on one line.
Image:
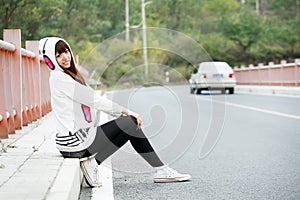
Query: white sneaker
[[167, 174], [89, 168]]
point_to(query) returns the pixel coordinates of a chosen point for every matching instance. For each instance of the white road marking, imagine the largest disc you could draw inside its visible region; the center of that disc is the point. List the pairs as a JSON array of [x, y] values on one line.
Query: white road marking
[[264, 110], [255, 109], [106, 191]]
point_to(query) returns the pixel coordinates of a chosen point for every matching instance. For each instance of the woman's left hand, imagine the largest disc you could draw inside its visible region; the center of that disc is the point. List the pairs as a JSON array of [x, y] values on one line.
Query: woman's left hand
[[137, 117]]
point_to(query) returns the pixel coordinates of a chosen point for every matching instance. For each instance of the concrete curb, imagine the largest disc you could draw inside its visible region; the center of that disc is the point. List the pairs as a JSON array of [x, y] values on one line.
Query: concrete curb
[[106, 191], [105, 170], [269, 90], [67, 184]]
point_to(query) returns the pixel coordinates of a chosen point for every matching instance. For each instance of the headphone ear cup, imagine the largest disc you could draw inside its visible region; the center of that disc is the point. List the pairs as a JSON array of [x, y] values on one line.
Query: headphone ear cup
[[49, 62]]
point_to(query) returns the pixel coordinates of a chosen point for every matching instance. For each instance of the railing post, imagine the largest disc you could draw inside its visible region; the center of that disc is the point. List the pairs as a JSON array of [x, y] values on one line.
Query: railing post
[[36, 73], [27, 90], [14, 36], [3, 121], [297, 71], [25, 108]]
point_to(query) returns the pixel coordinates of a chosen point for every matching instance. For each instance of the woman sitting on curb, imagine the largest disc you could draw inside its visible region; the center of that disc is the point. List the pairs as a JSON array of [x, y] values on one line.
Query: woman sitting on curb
[[76, 106]]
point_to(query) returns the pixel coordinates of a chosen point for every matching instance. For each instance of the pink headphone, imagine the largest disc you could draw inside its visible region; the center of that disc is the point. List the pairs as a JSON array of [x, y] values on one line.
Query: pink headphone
[[47, 60]]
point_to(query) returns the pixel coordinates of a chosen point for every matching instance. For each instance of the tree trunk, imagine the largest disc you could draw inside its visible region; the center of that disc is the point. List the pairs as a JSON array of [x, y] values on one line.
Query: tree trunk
[[259, 9], [297, 8]]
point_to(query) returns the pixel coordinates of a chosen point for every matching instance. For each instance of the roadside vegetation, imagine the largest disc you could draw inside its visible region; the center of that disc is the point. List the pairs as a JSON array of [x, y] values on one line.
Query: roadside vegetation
[[229, 30]]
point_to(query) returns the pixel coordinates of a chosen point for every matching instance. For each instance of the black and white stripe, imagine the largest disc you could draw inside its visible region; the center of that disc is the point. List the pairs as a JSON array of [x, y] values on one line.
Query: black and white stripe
[[72, 140]]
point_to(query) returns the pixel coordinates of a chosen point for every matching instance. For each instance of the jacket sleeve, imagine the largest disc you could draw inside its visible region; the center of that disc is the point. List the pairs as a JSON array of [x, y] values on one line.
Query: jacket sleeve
[[87, 96]]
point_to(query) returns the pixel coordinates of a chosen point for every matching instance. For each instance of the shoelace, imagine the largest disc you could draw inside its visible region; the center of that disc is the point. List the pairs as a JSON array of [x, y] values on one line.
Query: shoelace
[[173, 172], [95, 174]]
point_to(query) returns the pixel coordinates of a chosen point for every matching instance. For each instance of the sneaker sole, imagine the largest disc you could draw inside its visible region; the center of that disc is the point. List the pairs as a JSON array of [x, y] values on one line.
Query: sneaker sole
[[89, 157], [169, 180]]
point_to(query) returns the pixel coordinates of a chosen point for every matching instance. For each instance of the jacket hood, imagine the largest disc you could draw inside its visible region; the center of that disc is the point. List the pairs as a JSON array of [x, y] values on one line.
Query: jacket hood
[[47, 49]]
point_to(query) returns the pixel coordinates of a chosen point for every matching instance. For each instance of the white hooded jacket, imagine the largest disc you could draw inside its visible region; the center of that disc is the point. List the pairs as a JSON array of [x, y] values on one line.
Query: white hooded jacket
[[75, 106]]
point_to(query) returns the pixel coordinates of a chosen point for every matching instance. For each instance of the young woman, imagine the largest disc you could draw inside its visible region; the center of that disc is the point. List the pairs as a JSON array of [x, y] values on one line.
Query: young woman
[[76, 106]]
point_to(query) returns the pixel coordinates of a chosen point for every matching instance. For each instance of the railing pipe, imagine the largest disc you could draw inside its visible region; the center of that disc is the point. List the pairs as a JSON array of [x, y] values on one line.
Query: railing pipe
[[27, 53], [7, 46], [283, 74]]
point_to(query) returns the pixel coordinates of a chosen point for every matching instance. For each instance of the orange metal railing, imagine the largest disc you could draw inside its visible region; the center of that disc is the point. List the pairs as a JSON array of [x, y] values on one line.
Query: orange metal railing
[[283, 74], [24, 86]]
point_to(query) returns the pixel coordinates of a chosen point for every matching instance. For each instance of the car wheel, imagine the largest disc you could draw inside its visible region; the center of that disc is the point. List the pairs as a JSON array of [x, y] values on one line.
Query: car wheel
[[231, 90], [223, 91], [199, 91], [192, 90]]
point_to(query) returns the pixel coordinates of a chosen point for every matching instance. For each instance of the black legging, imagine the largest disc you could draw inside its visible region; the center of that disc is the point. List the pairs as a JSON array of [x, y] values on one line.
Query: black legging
[[114, 134]]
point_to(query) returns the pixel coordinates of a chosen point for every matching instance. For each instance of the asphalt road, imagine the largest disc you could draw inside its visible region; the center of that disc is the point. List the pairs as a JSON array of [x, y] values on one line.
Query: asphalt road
[[256, 142]]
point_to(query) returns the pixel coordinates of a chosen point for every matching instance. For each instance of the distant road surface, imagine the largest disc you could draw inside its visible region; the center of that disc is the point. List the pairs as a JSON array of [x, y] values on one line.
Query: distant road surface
[[257, 155]]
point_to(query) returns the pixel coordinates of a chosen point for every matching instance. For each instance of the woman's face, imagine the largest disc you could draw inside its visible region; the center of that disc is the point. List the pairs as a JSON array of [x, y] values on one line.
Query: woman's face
[[64, 59]]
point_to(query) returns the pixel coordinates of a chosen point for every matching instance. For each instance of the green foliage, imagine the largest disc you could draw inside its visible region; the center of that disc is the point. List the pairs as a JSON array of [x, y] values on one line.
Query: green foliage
[[228, 30], [222, 7], [220, 47], [245, 29]]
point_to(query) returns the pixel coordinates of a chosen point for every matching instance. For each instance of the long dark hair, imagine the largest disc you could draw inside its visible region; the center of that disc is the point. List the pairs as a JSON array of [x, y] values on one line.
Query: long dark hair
[[61, 47]]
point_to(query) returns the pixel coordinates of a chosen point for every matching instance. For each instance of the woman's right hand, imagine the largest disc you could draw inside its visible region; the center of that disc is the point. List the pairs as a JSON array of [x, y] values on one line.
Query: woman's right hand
[[138, 121]]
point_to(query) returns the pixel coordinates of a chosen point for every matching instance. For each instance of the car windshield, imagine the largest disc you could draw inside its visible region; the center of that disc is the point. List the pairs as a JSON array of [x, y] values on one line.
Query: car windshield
[[214, 67]]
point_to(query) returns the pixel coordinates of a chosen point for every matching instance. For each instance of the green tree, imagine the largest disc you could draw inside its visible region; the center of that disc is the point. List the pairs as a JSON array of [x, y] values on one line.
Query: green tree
[[222, 7], [228, 30], [245, 29]]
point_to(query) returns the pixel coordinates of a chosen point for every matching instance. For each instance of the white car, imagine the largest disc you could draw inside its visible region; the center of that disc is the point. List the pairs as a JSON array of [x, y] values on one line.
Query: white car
[[213, 76]]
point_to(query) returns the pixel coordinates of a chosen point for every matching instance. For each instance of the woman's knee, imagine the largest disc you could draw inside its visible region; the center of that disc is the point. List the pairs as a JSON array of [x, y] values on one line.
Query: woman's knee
[[128, 124]]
